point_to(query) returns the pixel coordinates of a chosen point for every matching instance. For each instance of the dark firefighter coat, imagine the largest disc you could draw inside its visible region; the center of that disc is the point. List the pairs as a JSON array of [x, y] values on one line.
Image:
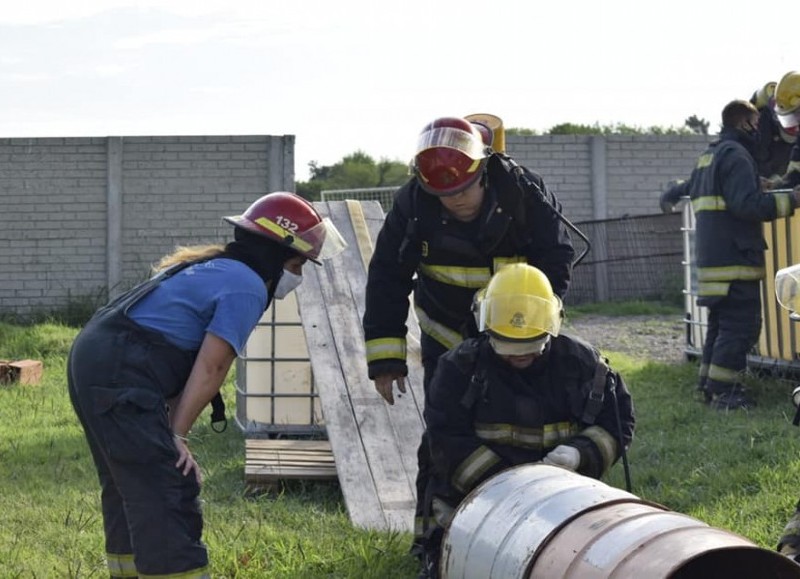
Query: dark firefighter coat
[[484, 416], [772, 153], [792, 177], [452, 259], [729, 207]]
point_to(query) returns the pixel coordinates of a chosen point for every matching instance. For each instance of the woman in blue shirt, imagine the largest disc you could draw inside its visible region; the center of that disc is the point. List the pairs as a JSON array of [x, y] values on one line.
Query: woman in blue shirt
[[147, 364]]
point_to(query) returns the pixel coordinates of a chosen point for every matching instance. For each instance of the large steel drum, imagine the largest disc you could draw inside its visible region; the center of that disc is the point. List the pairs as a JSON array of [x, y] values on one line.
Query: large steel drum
[[542, 522]]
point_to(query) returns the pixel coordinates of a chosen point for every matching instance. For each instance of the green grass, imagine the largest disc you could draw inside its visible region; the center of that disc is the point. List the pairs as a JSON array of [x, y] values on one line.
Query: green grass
[[628, 308], [737, 471]]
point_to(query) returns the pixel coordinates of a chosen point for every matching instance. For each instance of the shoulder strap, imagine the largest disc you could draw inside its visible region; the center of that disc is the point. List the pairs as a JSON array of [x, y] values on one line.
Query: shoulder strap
[[422, 210], [217, 404], [596, 394], [511, 191], [470, 353]]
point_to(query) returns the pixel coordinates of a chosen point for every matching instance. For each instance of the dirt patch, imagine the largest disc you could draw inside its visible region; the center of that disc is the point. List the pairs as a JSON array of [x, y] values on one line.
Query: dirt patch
[[658, 338]]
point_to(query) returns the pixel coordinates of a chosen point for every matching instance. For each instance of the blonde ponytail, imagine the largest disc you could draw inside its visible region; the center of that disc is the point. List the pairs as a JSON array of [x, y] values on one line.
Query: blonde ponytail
[[188, 253]]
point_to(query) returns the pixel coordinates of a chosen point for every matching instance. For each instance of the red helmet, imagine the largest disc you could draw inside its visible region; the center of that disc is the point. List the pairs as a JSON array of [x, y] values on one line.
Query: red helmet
[[451, 155], [291, 220]]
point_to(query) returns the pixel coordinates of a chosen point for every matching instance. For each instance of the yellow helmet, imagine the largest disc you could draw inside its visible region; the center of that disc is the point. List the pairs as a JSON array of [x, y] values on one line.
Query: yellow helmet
[[494, 128], [763, 96], [519, 305], [787, 100]]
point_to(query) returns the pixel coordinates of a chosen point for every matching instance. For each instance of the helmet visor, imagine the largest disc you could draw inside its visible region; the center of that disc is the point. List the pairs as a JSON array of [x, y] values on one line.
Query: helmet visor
[[506, 348], [787, 289], [521, 317], [451, 138], [321, 242], [790, 120]]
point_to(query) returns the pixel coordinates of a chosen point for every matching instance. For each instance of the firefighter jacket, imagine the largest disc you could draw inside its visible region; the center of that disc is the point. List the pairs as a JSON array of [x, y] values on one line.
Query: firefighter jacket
[[484, 416], [792, 177], [729, 207], [773, 151], [446, 261]]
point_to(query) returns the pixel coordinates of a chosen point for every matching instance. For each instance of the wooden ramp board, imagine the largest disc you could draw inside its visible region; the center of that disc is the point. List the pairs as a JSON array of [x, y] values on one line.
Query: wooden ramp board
[[268, 461], [374, 444]]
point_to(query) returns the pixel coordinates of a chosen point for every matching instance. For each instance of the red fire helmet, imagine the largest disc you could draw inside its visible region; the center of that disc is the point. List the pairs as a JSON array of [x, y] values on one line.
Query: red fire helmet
[[291, 220], [451, 155]]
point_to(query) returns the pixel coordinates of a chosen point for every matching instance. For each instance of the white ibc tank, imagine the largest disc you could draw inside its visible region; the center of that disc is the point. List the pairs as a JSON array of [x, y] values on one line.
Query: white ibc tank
[[275, 390]]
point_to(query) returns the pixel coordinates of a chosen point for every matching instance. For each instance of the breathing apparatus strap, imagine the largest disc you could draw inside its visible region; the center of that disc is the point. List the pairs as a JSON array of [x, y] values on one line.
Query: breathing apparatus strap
[[612, 387], [594, 402]]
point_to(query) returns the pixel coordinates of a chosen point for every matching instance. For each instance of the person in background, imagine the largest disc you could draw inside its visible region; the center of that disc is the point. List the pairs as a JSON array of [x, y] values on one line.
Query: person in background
[[787, 110], [729, 207], [519, 393], [146, 365], [774, 142], [467, 211]]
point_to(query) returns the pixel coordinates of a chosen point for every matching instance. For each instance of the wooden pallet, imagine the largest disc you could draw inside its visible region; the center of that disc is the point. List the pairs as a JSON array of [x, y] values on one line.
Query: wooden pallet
[[269, 461]]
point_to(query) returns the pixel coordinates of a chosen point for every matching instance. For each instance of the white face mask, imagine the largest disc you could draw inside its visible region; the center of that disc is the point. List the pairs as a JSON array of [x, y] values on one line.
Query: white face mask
[[286, 284]]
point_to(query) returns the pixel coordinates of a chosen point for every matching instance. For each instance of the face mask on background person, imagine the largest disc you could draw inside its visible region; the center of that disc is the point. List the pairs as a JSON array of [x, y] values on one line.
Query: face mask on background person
[[288, 282]]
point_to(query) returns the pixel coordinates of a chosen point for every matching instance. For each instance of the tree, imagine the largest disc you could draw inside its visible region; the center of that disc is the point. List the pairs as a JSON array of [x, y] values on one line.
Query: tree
[[355, 171], [517, 131], [360, 171], [613, 129], [697, 125]]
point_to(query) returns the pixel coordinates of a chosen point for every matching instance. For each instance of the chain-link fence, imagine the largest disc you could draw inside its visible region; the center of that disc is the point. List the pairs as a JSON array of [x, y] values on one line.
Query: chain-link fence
[[385, 195], [631, 258]]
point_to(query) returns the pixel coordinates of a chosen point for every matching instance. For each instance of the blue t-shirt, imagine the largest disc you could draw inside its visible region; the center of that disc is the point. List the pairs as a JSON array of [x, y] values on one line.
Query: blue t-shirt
[[221, 296]]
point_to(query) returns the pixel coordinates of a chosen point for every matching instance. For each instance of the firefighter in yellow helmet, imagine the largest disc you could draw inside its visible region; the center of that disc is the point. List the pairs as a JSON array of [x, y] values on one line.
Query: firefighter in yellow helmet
[[787, 110], [520, 392], [774, 142]]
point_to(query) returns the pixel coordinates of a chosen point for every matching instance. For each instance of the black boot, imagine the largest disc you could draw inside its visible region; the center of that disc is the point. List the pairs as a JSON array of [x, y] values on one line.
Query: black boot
[[430, 567], [734, 399]]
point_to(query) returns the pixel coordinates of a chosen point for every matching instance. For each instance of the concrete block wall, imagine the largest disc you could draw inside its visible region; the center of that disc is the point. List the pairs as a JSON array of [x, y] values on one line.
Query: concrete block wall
[[604, 177], [639, 168], [86, 217], [564, 162], [52, 221]]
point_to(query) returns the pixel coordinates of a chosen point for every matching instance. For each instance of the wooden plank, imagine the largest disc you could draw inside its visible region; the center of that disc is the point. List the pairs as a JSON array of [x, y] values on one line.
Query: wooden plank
[[344, 289], [264, 457], [405, 415], [280, 443], [265, 475], [360, 430], [360, 495], [268, 461]]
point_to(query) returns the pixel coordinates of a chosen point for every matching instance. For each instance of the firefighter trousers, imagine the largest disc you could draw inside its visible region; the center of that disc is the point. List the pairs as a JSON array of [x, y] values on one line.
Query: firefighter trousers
[[119, 375], [424, 524], [734, 324]]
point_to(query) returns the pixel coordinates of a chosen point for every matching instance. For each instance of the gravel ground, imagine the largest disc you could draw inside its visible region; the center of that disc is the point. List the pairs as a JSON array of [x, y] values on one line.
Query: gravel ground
[[659, 338]]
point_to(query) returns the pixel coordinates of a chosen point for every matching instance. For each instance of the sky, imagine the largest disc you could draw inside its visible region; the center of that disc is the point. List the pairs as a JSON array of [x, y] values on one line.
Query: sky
[[365, 75]]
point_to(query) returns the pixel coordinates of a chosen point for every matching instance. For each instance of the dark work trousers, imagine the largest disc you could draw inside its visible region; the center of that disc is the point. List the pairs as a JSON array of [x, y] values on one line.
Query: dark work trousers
[[734, 324], [431, 350], [120, 376]]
